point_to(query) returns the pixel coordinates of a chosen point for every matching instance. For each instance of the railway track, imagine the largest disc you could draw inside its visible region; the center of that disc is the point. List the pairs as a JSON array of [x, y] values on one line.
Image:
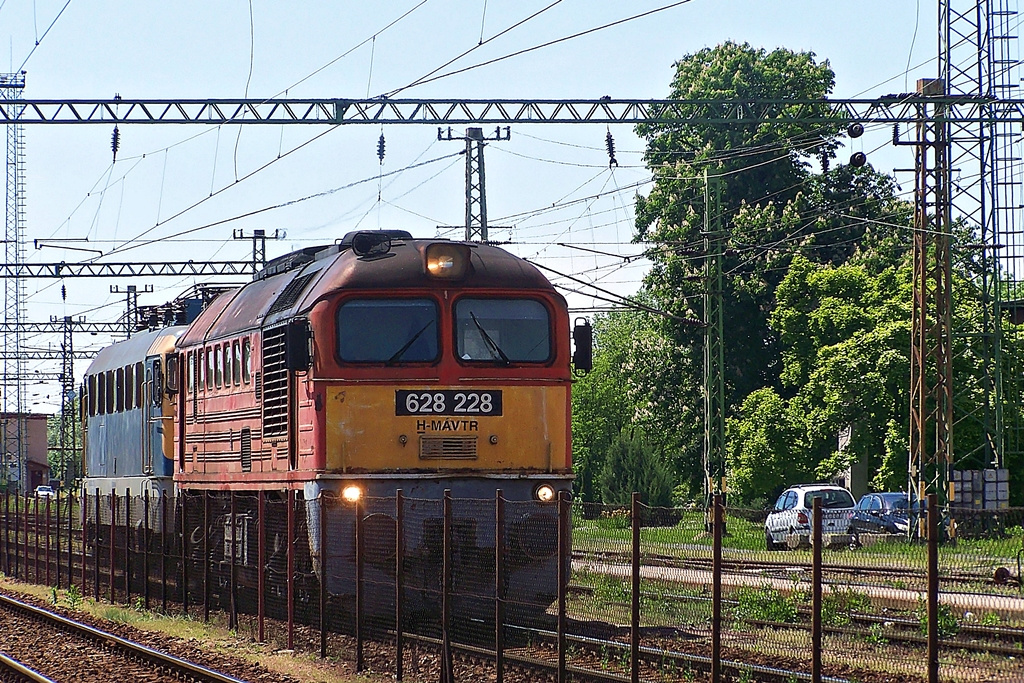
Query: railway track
[[69, 650], [14, 671], [835, 572], [979, 631]]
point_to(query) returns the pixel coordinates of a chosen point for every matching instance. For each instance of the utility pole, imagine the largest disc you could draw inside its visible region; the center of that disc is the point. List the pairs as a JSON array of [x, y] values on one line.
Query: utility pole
[[68, 469], [259, 239], [931, 352], [131, 312], [714, 353], [476, 191]]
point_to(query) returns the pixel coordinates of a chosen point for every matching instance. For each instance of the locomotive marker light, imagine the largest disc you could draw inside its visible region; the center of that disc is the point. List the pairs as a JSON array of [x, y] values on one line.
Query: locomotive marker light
[[545, 493], [352, 493], [448, 261]]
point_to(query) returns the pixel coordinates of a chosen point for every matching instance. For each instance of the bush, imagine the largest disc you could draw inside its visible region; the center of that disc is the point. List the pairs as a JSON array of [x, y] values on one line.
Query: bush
[[764, 603], [838, 605], [948, 625], [633, 465]]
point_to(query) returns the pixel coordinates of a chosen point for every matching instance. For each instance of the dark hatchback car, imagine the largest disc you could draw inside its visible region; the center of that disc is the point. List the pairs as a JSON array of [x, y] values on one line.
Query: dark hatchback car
[[881, 513]]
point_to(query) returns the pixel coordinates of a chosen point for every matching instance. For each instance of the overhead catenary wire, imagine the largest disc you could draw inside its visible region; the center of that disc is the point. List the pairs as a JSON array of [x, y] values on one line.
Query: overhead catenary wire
[[291, 202], [424, 80]]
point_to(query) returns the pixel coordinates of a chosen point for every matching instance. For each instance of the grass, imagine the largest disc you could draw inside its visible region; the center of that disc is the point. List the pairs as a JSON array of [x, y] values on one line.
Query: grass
[[211, 637], [688, 539]]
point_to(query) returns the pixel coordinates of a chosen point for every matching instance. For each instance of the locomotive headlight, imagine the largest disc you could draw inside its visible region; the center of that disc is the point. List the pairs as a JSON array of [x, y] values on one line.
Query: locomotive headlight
[[447, 260], [352, 493], [545, 493]]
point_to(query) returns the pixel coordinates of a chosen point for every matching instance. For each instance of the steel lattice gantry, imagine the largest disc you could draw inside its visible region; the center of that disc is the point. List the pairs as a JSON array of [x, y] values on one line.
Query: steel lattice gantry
[[901, 108]]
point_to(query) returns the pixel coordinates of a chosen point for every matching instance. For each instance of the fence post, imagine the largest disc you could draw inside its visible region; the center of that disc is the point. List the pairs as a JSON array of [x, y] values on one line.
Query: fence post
[[206, 557], [113, 543], [46, 512], [183, 525], [634, 621], [447, 665], [290, 563], [57, 522], [232, 606], [499, 586], [399, 581], [6, 560], [816, 544], [35, 544], [261, 550], [19, 513], [128, 546], [71, 542], [95, 546], [933, 588], [359, 583], [716, 590], [164, 535], [563, 577], [145, 548], [323, 574]]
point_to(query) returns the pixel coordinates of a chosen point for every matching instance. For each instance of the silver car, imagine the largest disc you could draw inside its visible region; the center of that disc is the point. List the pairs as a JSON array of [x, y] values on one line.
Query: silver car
[[789, 522]]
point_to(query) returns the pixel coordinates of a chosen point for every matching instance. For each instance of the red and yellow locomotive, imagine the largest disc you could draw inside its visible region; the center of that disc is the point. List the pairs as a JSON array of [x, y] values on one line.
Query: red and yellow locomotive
[[384, 363]]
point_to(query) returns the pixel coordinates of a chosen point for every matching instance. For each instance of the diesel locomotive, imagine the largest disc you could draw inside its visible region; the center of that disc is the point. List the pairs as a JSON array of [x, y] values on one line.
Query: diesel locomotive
[[345, 373]]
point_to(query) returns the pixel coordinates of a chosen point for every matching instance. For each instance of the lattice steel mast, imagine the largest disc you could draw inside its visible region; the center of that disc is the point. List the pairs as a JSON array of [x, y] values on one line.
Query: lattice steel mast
[[14, 432]]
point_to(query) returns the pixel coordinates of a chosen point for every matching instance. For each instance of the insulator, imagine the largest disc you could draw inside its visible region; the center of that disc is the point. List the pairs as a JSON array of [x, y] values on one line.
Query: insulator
[[380, 148], [63, 292], [858, 159], [855, 130], [895, 133], [609, 142], [115, 141]]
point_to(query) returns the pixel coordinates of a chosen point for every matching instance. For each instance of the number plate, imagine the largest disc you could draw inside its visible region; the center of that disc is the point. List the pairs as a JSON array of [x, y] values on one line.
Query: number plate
[[448, 402]]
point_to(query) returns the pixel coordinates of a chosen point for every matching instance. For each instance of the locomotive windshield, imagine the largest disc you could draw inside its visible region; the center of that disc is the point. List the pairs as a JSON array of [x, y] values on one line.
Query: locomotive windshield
[[502, 330], [388, 331]]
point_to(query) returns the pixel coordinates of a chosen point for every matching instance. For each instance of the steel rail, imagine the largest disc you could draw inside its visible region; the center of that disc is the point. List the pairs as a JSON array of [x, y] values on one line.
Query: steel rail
[[734, 565], [683, 657], [20, 670], [978, 630], [125, 647], [945, 643]]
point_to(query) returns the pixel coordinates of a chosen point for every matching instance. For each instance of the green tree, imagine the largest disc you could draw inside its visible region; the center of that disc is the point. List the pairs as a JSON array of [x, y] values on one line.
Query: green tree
[[773, 207], [629, 386], [632, 465]]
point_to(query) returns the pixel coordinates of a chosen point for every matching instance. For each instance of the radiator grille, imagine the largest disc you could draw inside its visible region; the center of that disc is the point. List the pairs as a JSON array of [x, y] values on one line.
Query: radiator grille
[[447, 448], [291, 293], [275, 384], [246, 449]]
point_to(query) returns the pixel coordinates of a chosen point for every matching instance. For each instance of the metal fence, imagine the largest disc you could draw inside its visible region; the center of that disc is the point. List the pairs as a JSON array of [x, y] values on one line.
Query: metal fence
[[586, 591]]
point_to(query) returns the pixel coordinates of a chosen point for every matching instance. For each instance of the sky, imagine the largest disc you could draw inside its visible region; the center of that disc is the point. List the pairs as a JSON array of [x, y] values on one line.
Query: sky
[[550, 184]]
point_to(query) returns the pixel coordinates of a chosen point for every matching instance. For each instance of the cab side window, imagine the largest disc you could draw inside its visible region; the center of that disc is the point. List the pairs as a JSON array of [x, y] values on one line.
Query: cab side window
[[246, 360]]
